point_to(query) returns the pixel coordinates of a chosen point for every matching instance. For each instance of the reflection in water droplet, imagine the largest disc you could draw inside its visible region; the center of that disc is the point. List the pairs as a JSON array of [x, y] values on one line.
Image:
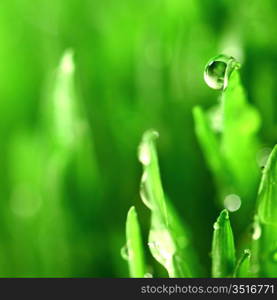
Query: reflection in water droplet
[[218, 70], [232, 202], [257, 231], [216, 226], [144, 193], [124, 252], [162, 246], [247, 252], [144, 154]]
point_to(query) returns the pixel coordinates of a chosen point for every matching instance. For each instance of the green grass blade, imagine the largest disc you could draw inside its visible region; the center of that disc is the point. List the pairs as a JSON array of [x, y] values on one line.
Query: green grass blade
[[135, 254], [223, 249], [239, 143], [151, 188], [211, 148], [60, 131], [267, 195], [61, 109], [267, 215], [242, 269], [267, 251], [168, 243], [230, 147]]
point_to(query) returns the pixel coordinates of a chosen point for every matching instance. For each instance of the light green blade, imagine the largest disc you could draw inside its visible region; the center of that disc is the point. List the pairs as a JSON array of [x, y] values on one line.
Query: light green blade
[[61, 132], [240, 123], [266, 243], [267, 195], [168, 243], [135, 253], [151, 188], [242, 269], [61, 112], [223, 249]]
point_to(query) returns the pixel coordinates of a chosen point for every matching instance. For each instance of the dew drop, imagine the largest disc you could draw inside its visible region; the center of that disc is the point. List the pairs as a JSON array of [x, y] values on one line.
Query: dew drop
[[232, 202], [148, 275], [144, 154], [218, 70], [257, 231], [124, 252], [216, 226]]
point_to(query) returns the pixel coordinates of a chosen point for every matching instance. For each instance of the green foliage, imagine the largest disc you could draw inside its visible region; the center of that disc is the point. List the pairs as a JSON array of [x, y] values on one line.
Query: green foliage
[[71, 121], [235, 142]]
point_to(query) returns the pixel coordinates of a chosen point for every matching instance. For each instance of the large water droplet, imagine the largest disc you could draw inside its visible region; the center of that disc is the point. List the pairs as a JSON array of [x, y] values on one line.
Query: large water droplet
[[218, 70], [232, 202]]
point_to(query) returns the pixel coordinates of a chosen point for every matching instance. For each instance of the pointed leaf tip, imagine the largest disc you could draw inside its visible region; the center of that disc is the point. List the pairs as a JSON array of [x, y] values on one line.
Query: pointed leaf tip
[[223, 249], [135, 252], [267, 195]]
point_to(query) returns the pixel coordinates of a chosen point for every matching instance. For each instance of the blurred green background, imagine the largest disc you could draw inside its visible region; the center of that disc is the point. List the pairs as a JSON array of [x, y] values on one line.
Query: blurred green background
[[139, 65]]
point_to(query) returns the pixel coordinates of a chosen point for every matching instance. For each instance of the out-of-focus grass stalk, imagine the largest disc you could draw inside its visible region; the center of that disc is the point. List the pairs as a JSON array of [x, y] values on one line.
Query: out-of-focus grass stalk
[[266, 241], [24, 209], [60, 133], [135, 255]]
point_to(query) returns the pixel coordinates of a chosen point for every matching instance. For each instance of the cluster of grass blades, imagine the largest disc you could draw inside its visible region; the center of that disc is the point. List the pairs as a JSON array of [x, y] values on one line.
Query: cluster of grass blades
[[227, 134]]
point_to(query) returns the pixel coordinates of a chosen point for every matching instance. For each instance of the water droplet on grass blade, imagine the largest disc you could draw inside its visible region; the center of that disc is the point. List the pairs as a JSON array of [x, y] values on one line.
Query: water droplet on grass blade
[[216, 226], [218, 70], [148, 275], [124, 252], [144, 193], [144, 154], [257, 231], [144, 148], [232, 202]]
